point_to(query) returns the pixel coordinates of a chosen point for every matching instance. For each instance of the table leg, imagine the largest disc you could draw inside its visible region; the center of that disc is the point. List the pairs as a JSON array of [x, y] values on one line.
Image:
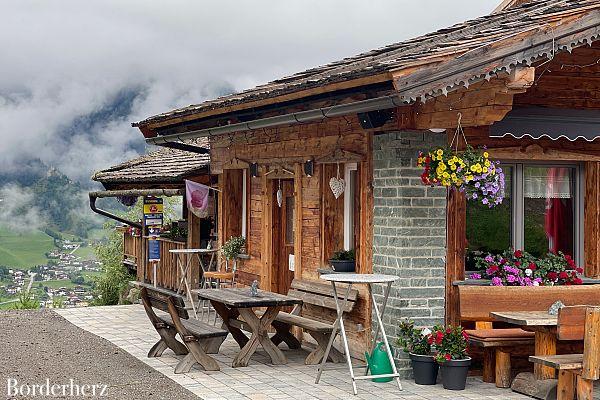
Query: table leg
[[376, 335], [384, 336], [339, 324], [259, 327], [545, 345], [227, 314]]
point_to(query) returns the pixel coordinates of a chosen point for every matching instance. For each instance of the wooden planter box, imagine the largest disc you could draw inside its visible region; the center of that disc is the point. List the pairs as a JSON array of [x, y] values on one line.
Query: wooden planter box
[[525, 298]]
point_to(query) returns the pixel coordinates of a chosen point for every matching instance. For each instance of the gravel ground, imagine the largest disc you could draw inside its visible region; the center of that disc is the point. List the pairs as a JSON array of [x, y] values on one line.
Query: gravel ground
[[39, 344]]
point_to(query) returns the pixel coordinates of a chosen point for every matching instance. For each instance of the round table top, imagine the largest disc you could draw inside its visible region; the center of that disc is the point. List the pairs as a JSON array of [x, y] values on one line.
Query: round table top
[[192, 251], [359, 278]]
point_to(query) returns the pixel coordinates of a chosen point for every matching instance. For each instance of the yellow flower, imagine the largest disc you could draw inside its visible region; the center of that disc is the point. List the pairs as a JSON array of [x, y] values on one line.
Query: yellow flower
[[487, 163], [446, 175], [473, 168], [440, 152], [453, 167], [468, 178], [485, 170], [486, 154]]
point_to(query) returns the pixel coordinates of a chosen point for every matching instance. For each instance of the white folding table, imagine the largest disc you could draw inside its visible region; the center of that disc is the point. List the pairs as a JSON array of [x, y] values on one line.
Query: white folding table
[[338, 327], [184, 262]]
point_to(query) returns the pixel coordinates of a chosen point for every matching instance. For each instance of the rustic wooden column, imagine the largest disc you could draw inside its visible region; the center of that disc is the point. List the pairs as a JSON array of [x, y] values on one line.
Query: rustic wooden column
[[456, 216], [592, 220], [193, 242], [365, 171], [298, 179]]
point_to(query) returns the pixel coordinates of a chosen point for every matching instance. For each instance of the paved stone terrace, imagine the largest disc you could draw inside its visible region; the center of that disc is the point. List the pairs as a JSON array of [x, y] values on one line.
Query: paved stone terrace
[[129, 328]]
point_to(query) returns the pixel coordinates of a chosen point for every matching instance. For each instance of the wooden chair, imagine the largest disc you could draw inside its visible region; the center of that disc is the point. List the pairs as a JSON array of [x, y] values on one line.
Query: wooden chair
[[198, 337], [576, 372], [314, 295]]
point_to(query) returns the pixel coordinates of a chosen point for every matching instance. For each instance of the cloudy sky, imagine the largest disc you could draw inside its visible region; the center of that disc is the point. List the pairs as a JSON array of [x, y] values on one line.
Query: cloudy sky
[[75, 74]]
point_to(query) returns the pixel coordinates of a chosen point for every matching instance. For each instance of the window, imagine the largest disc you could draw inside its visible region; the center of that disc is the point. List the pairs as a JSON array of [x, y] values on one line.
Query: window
[[541, 213], [349, 193]]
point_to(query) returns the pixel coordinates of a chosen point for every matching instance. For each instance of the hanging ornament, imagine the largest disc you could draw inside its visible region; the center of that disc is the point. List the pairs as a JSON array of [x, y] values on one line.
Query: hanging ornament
[[337, 184], [279, 194]]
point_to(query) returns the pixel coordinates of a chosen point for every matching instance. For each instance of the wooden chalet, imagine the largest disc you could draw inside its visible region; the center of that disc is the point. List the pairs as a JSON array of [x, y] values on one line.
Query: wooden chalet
[[523, 81], [158, 173]]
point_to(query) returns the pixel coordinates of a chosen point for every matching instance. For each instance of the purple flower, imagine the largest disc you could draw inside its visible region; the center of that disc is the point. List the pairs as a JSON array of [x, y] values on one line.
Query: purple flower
[[474, 196], [489, 258], [485, 201], [496, 281], [511, 278], [475, 276]]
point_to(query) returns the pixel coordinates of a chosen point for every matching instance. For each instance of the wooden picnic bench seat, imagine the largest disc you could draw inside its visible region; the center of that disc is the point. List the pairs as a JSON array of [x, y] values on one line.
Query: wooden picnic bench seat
[[497, 343], [312, 294], [199, 339], [576, 372]]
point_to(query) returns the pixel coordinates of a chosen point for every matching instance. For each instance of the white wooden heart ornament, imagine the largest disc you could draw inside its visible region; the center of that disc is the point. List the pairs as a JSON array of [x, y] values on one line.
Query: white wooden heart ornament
[[337, 186]]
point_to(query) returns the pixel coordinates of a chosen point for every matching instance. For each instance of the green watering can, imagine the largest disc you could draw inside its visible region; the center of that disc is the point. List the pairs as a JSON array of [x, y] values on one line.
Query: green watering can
[[379, 363]]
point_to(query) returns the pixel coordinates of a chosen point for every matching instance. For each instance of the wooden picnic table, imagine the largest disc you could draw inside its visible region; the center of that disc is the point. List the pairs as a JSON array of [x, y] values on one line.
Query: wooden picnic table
[[544, 326], [232, 303]]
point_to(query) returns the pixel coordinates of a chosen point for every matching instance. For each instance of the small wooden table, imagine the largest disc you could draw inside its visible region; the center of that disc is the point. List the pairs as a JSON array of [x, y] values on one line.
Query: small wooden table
[[544, 326], [231, 303]]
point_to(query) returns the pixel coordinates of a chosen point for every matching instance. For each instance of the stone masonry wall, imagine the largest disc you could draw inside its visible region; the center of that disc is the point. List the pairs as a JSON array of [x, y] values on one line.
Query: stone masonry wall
[[409, 234]]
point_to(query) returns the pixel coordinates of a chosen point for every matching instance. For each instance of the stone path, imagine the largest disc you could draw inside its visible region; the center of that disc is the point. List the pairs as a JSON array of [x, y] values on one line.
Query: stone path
[[128, 328]]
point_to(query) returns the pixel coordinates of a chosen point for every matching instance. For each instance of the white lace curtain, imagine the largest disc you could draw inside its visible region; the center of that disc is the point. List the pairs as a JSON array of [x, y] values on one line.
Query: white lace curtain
[[548, 183]]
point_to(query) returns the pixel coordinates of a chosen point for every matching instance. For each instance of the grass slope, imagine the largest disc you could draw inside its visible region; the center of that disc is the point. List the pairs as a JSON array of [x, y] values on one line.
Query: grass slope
[[23, 250]]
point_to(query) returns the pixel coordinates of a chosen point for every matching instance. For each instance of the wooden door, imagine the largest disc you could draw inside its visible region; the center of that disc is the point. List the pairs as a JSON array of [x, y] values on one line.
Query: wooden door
[[283, 235]]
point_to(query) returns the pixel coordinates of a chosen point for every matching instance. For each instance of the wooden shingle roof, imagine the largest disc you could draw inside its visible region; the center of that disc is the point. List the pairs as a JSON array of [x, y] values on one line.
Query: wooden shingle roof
[[162, 166], [543, 26]]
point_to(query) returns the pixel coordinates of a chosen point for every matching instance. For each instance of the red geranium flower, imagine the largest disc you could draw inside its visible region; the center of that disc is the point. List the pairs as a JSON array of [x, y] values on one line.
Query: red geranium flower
[[448, 357], [578, 281], [532, 266], [579, 270], [562, 275], [552, 276], [518, 253]]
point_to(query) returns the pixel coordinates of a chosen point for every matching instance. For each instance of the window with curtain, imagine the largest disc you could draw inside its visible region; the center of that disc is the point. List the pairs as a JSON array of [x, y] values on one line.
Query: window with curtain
[[538, 215]]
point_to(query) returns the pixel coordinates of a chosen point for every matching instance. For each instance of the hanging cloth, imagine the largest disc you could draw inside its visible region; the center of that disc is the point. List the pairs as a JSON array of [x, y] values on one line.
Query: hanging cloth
[[197, 198]]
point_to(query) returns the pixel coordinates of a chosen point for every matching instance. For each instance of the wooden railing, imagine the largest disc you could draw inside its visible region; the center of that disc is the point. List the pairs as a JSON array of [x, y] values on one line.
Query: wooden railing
[[135, 257]]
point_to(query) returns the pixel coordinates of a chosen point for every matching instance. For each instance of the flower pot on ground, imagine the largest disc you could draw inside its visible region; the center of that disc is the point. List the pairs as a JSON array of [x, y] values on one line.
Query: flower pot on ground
[[454, 373], [343, 261], [417, 343], [425, 369], [451, 353]]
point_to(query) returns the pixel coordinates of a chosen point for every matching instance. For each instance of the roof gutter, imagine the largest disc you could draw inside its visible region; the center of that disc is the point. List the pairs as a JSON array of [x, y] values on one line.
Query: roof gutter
[[319, 114], [134, 192]]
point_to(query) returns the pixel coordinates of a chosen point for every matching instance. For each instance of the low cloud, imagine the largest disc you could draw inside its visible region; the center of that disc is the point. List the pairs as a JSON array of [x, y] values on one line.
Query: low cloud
[[66, 60], [15, 210]]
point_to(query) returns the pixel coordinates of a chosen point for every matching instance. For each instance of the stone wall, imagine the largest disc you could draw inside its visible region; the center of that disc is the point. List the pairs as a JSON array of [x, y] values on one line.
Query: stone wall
[[409, 233]]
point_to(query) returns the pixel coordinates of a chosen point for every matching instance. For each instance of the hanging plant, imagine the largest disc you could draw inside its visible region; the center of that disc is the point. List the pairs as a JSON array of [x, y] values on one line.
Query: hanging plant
[[470, 171]]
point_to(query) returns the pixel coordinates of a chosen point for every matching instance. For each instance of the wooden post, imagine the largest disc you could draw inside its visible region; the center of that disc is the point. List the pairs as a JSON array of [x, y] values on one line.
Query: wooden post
[[193, 242], [592, 220], [566, 385], [298, 180], [365, 171], [545, 344], [503, 369], [455, 252], [267, 232]]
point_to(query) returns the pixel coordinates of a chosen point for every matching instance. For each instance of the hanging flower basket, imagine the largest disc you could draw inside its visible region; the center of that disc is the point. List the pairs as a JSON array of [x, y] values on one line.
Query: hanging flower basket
[[470, 171]]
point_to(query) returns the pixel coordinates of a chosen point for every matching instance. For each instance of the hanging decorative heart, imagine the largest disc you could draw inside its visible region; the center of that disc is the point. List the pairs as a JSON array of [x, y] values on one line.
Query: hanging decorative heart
[[279, 197], [337, 186]]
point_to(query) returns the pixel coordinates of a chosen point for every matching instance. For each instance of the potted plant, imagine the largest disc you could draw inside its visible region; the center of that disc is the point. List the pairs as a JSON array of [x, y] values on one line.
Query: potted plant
[[417, 343], [343, 261], [233, 247], [451, 353]]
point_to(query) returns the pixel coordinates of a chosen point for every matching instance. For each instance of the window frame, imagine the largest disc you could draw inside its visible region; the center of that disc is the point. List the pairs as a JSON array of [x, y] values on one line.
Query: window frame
[[518, 203], [349, 205]]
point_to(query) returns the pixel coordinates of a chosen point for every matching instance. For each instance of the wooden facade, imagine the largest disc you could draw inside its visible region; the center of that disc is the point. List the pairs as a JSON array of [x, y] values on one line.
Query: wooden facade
[[471, 75]]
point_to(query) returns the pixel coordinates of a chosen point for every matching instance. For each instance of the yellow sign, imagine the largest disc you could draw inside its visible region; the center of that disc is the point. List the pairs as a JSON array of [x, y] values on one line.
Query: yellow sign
[[153, 208]]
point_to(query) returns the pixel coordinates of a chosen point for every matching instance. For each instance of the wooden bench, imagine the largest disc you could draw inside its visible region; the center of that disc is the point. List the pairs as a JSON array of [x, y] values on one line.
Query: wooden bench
[[476, 303], [497, 343], [199, 339], [576, 372], [312, 294]]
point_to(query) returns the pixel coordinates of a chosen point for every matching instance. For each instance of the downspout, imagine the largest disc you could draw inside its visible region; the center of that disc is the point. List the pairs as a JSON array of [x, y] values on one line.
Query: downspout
[[97, 210]]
